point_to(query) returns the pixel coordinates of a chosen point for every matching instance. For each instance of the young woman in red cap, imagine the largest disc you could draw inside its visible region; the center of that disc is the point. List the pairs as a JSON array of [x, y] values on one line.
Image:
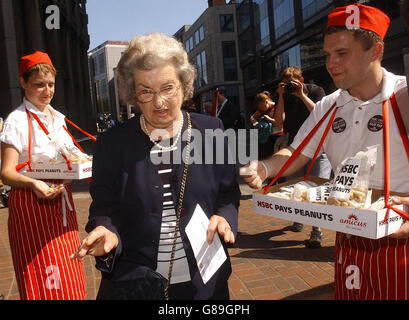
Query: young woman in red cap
[[365, 269], [43, 229]]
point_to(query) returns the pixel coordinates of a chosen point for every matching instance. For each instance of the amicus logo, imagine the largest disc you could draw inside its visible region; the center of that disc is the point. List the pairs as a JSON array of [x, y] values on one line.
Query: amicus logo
[[352, 220]]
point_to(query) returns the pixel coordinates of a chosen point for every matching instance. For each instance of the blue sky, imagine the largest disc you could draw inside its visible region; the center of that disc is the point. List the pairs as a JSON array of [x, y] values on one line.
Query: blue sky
[[124, 19]]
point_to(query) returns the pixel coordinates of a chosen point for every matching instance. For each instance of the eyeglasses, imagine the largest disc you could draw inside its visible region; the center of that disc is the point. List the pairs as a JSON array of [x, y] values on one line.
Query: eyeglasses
[[166, 93]]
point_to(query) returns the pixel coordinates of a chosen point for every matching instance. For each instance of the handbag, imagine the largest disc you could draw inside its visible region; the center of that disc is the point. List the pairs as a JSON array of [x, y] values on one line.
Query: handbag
[[265, 128], [147, 284]]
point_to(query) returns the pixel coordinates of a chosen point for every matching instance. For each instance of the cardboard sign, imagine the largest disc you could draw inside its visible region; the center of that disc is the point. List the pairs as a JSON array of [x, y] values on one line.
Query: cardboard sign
[[60, 171], [361, 222]]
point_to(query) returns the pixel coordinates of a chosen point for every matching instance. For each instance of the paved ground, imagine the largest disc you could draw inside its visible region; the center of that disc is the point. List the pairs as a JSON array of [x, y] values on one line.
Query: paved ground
[[269, 260]]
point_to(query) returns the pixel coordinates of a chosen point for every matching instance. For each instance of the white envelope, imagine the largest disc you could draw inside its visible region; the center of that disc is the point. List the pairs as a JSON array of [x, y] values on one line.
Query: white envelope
[[209, 258]]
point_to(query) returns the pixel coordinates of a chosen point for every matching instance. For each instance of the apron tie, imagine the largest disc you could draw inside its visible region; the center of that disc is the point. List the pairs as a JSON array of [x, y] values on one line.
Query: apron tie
[[65, 200]]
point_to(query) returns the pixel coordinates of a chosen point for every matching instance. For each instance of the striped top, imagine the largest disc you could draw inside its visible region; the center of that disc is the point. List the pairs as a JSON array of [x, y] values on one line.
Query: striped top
[[180, 271]]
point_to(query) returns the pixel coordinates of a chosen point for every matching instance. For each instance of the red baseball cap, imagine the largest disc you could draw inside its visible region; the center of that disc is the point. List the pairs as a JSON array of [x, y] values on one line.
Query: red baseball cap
[[31, 60], [357, 15]]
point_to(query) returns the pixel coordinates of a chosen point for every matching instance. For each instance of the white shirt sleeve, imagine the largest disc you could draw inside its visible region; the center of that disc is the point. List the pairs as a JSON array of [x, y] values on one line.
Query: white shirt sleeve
[[12, 132]]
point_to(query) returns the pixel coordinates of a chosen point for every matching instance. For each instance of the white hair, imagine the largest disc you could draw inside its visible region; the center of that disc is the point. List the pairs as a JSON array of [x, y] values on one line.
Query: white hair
[[148, 52]]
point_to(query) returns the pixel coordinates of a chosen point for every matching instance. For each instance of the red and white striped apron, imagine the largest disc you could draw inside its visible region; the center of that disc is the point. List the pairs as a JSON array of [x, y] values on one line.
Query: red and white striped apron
[[368, 269], [43, 234]]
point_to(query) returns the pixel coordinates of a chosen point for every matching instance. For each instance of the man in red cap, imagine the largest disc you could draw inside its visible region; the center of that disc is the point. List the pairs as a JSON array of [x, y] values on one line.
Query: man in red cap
[[353, 46], [43, 228]]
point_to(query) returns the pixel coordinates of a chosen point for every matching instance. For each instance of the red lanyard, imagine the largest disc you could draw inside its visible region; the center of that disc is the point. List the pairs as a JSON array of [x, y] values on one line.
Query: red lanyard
[[300, 148], [403, 134], [27, 163], [386, 153]]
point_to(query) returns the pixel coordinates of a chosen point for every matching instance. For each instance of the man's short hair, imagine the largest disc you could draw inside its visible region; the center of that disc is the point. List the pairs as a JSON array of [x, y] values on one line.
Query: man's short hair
[[222, 91], [289, 72], [365, 37]]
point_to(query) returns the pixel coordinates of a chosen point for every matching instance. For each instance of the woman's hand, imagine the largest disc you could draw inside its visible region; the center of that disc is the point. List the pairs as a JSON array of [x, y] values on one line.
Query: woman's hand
[[99, 242], [44, 191], [219, 224]]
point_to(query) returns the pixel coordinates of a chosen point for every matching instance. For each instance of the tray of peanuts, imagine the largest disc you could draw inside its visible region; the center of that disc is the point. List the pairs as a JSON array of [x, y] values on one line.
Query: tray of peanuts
[[345, 204]]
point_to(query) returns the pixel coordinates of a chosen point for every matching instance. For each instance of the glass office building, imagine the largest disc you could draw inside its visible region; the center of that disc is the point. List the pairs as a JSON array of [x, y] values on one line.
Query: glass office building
[[275, 34]]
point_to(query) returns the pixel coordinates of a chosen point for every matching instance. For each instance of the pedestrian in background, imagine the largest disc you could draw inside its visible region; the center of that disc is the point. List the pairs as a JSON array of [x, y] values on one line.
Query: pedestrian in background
[[296, 100], [263, 120], [227, 111]]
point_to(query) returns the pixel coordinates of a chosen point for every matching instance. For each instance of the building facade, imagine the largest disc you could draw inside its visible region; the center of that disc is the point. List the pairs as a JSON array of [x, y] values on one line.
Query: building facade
[[275, 34], [60, 28], [211, 44], [103, 61]]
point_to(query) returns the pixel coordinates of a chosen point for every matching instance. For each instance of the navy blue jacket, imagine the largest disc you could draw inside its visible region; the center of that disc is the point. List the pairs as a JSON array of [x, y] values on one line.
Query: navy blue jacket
[[127, 198]]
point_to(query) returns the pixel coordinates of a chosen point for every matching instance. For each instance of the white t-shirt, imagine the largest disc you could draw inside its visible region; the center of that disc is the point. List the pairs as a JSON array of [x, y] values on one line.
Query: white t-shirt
[[357, 125], [15, 131]]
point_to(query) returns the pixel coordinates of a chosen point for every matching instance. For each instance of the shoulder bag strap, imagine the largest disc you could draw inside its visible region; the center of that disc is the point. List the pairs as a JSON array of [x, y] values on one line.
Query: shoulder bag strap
[[180, 202]]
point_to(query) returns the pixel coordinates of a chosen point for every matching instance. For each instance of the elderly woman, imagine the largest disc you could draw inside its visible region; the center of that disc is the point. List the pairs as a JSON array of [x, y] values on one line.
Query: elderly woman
[[42, 224], [136, 209]]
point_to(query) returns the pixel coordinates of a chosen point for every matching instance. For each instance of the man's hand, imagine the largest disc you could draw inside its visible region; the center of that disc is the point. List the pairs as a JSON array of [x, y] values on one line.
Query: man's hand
[[99, 242], [219, 224], [254, 174], [403, 231]]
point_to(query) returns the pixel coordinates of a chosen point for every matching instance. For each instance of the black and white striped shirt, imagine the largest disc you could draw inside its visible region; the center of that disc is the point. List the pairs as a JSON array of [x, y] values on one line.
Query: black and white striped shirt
[[180, 271]]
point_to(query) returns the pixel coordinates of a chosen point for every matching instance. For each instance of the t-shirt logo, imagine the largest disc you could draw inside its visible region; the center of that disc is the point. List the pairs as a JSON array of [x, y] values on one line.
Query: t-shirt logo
[[375, 124], [339, 125]]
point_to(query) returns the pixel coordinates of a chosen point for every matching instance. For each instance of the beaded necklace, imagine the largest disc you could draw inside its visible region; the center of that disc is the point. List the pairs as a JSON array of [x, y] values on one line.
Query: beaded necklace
[[156, 143]]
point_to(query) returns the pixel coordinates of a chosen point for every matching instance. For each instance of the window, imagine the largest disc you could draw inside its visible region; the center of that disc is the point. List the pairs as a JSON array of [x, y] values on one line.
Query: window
[[246, 45], [310, 7], [244, 21], [250, 76], [269, 72], [229, 60], [312, 54], [226, 23], [189, 44], [283, 16], [99, 64], [201, 69], [262, 22], [291, 57], [243, 14], [199, 35]]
